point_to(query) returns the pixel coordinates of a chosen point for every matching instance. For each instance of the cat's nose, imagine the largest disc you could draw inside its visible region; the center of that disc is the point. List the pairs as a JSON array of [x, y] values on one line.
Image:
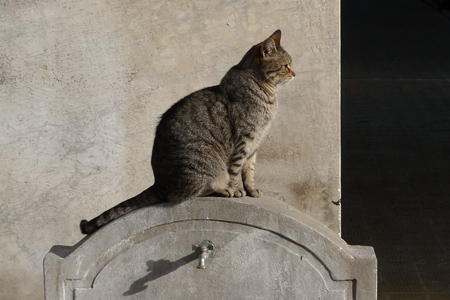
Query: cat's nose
[[293, 73]]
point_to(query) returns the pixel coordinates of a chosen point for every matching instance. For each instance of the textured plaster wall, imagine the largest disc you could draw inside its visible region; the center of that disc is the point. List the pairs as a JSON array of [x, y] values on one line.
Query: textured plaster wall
[[82, 84]]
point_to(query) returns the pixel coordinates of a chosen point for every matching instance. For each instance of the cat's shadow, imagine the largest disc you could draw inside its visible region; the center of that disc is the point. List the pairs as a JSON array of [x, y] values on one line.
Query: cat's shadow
[[157, 269]]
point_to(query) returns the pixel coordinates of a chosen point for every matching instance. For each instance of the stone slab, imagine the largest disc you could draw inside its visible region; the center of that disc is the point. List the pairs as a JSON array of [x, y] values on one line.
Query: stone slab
[[264, 250]]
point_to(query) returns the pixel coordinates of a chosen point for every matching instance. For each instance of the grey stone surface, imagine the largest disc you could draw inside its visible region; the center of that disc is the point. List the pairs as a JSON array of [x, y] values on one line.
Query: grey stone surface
[[264, 250], [83, 83]]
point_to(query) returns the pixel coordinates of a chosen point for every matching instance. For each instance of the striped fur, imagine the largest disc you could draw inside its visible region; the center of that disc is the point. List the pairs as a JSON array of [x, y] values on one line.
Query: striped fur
[[205, 141]]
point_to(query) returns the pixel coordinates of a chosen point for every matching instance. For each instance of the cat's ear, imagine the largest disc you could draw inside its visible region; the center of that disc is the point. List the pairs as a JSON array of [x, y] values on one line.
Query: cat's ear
[[276, 36], [269, 46]]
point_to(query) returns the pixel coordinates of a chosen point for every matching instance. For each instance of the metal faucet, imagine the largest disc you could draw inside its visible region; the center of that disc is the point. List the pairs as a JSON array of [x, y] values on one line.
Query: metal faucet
[[205, 250]]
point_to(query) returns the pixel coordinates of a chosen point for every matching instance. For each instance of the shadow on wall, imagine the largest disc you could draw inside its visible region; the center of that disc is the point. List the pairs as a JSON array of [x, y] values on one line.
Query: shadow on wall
[[157, 269]]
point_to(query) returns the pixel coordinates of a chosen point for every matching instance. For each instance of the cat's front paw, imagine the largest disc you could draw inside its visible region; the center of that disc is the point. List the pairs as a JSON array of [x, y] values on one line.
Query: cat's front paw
[[239, 192], [254, 192], [228, 192]]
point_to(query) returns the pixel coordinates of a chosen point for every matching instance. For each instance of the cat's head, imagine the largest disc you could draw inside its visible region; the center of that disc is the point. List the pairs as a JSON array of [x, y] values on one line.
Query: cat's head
[[270, 61]]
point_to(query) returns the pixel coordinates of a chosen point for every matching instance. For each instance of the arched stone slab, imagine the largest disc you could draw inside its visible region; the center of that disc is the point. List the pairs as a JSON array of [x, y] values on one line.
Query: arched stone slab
[[265, 249]]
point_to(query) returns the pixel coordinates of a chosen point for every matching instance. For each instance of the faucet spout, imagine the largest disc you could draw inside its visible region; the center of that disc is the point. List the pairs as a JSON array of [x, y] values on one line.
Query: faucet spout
[[202, 258], [205, 250]]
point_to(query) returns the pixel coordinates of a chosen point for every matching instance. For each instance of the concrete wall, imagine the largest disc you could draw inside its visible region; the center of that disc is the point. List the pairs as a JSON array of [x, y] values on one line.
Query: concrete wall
[[82, 84]]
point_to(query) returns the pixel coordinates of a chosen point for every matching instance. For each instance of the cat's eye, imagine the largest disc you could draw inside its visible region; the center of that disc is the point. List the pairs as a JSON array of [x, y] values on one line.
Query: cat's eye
[[280, 68]]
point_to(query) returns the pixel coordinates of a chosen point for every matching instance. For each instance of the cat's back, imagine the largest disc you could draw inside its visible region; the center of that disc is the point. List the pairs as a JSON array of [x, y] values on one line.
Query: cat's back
[[205, 107], [201, 117], [194, 104]]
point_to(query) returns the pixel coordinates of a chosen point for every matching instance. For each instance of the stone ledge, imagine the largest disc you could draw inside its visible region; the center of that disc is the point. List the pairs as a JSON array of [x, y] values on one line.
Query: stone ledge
[[264, 230]]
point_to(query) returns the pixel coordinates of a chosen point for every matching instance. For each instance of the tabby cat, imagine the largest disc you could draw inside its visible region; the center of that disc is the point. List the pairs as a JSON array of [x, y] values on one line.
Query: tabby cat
[[207, 139]]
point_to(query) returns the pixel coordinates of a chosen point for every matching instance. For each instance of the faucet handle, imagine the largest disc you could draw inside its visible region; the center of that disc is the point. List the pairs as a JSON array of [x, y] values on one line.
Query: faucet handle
[[205, 245]]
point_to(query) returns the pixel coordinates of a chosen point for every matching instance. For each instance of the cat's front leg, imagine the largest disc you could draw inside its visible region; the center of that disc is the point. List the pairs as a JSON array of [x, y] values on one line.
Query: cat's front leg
[[234, 185], [248, 175], [234, 171]]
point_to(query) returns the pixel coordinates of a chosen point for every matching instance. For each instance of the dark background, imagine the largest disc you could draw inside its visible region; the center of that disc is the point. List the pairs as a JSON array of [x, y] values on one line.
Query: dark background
[[396, 142]]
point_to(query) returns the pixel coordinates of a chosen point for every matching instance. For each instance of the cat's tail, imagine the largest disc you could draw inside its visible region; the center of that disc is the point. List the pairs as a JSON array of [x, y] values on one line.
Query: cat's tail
[[148, 197]]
